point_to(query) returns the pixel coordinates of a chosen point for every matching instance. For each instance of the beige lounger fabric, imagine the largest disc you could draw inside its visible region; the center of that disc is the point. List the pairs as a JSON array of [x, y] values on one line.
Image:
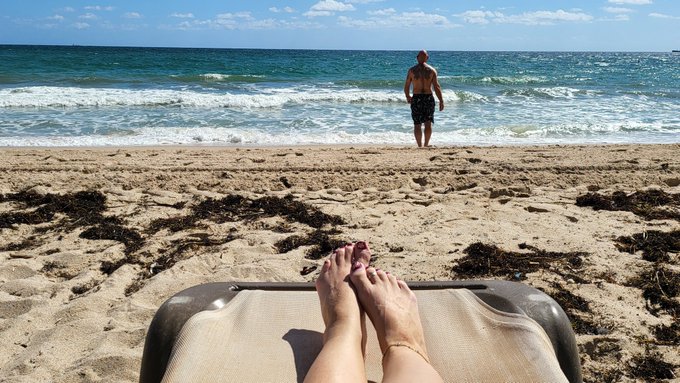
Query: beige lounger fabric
[[274, 336]]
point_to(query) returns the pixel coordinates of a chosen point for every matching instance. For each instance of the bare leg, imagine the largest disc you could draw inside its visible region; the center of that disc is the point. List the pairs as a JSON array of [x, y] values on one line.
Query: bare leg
[[341, 358], [428, 133], [393, 310], [417, 132]]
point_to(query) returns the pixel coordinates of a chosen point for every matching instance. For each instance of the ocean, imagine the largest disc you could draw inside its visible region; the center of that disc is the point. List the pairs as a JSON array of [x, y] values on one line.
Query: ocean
[[108, 96]]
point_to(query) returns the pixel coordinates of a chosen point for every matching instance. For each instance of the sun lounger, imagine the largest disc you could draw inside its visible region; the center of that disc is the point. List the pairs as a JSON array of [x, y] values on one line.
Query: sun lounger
[[240, 332]]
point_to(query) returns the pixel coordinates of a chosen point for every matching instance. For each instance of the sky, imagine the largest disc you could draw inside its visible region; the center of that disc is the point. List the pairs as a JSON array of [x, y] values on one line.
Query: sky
[[527, 25]]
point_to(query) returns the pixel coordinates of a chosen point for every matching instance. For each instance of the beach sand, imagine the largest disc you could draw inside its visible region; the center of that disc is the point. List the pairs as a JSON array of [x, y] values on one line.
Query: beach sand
[[92, 241]]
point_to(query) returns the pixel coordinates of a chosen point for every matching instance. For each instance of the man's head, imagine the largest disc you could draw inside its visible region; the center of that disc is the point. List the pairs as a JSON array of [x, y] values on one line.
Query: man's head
[[422, 56]]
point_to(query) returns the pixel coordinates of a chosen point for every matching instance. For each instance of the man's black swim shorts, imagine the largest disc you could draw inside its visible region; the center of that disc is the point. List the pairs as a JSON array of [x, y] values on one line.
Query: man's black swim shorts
[[422, 108]]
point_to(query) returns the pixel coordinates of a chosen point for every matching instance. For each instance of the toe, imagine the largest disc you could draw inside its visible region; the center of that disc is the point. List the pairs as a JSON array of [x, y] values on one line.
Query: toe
[[348, 253], [362, 253], [359, 277]]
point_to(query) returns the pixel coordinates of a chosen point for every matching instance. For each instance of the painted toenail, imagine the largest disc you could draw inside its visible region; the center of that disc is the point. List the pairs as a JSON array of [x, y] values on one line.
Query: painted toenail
[[358, 265], [361, 245]]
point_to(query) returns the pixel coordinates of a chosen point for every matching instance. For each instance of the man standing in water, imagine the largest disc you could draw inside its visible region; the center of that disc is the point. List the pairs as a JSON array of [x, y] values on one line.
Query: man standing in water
[[424, 79]]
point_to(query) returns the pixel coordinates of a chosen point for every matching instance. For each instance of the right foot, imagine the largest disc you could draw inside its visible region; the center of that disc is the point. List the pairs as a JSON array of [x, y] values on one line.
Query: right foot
[[339, 307], [392, 308]]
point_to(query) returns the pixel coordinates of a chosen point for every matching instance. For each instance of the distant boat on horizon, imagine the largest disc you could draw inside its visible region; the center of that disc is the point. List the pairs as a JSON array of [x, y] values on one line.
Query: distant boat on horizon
[[676, 51]]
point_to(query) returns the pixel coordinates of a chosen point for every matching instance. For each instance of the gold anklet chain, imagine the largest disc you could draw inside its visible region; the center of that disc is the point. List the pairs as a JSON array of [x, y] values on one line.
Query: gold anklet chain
[[398, 344]]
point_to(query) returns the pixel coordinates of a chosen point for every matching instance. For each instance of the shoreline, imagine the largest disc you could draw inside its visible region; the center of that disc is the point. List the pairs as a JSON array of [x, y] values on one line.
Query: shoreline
[[420, 209], [341, 145]]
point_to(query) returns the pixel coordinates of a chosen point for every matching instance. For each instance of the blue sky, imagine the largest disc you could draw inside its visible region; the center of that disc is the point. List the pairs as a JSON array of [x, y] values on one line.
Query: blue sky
[[579, 25]]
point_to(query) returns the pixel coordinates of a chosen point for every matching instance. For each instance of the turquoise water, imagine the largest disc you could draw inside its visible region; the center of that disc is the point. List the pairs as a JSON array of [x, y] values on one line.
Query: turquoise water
[[75, 96]]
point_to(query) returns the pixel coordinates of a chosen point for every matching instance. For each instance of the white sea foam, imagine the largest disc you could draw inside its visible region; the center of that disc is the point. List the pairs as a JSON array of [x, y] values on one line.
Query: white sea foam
[[504, 135], [65, 97]]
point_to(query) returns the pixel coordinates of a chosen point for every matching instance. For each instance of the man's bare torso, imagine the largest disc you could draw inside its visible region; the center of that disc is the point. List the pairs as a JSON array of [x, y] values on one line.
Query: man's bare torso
[[422, 76]]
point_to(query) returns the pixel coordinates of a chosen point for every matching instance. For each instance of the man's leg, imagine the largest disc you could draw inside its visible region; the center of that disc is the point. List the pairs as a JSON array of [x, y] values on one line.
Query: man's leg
[[341, 358], [418, 133], [428, 132]]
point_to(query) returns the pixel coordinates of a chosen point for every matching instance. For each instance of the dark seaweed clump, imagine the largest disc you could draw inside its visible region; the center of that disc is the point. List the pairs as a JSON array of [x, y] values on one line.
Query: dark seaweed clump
[[655, 245], [234, 208], [576, 307], [651, 367], [80, 209], [321, 241], [484, 260], [83, 208], [130, 238], [568, 301], [650, 204], [668, 335], [659, 286]]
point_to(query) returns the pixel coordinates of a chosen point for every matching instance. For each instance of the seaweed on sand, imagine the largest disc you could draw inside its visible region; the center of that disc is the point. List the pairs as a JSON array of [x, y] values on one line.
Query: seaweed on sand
[[655, 245], [567, 300], [488, 260], [80, 209], [667, 335], [649, 204], [650, 367], [578, 311], [659, 286], [130, 238], [321, 241], [234, 208]]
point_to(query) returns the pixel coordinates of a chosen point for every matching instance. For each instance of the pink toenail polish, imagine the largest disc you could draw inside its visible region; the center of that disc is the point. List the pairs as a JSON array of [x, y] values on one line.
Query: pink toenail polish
[[361, 245], [358, 265]]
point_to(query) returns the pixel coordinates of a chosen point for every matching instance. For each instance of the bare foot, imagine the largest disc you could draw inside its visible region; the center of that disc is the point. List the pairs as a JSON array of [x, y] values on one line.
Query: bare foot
[[392, 308], [362, 254], [341, 358], [339, 306]]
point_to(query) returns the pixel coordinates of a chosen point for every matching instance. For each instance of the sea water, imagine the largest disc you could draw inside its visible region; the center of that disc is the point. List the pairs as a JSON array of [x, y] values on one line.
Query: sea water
[[103, 96]]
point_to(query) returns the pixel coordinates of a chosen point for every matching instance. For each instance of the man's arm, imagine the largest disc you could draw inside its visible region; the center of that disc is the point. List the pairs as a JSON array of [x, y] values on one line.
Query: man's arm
[[438, 91], [407, 86]]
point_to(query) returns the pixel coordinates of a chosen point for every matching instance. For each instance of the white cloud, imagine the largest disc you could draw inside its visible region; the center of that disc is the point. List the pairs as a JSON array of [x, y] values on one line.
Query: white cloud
[[183, 15], [88, 16], [664, 16], [282, 10], [328, 8], [480, 17], [242, 21], [394, 20], [235, 16], [383, 12], [527, 18], [56, 18], [317, 13], [132, 15], [633, 2], [617, 10], [81, 25], [99, 8]]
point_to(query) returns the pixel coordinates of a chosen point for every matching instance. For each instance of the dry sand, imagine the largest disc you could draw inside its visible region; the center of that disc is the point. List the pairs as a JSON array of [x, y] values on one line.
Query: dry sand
[[65, 318]]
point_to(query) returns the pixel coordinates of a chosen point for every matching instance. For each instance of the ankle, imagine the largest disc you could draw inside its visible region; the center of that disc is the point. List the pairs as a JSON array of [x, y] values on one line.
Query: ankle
[[404, 347], [345, 329]]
